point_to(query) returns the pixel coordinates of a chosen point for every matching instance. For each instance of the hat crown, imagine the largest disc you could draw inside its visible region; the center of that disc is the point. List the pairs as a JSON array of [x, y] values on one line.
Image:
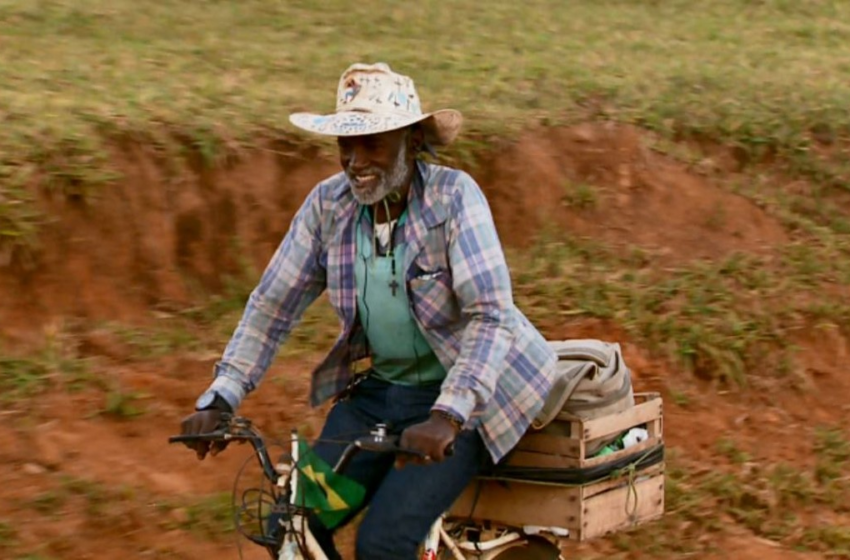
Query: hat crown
[[375, 88]]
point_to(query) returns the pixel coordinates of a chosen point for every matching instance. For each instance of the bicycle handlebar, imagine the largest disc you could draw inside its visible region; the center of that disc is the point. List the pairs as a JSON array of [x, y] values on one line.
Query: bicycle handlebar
[[236, 428], [211, 436]]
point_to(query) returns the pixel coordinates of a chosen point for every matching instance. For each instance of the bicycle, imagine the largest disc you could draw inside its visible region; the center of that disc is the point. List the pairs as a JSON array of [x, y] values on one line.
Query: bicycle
[[291, 539]]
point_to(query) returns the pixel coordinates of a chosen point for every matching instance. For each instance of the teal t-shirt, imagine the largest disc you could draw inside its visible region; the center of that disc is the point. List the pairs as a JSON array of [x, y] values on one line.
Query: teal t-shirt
[[400, 353]]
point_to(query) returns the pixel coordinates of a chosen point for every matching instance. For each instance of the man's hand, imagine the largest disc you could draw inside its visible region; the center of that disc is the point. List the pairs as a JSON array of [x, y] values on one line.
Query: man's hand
[[202, 422], [430, 438]]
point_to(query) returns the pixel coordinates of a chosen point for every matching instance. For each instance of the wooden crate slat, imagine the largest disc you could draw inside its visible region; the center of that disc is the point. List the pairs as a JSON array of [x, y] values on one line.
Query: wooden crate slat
[[640, 398], [590, 490], [541, 442], [617, 455], [587, 511], [516, 504], [619, 509], [545, 459], [622, 421]]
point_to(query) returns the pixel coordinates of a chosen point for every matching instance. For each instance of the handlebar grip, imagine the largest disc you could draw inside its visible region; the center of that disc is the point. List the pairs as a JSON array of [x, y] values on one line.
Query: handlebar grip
[[194, 437]]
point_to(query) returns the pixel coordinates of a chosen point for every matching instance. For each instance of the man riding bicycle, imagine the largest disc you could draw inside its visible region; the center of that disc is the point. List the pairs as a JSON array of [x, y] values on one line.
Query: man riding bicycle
[[409, 255]]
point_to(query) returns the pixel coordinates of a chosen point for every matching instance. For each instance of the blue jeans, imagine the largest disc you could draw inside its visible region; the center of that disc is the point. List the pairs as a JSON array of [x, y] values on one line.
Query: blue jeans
[[402, 503]]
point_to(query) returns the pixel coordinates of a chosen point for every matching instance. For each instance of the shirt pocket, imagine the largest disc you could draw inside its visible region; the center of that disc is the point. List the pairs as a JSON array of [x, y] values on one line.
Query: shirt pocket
[[432, 298]]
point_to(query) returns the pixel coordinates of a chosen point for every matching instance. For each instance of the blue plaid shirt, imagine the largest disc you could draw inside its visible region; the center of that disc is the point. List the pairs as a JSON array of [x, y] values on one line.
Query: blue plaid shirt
[[500, 368]]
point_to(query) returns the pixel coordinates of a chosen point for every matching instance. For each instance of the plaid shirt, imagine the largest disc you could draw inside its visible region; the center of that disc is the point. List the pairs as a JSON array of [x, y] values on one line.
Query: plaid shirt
[[500, 369]]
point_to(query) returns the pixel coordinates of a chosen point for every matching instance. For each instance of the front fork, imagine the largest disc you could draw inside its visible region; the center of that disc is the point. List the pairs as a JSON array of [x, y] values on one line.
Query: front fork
[[290, 549]]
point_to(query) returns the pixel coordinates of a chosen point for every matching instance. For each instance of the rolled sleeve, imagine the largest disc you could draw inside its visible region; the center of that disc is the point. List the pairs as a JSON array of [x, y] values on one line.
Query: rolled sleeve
[[230, 384]]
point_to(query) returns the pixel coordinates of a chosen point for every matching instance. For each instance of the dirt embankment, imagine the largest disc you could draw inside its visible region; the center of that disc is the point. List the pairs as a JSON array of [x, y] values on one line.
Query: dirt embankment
[[154, 238]]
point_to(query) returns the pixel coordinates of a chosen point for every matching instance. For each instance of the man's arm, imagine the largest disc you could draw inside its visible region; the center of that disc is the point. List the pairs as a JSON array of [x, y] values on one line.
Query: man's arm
[[482, 285], [294, 278]]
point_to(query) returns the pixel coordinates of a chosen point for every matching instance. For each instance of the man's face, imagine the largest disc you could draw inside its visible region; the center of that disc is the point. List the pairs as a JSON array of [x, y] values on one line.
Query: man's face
[[376, 164]]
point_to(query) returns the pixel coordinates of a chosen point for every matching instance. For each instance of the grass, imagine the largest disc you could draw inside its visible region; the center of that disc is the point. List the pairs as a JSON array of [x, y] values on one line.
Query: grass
[[7, 535], [97, 509], [21, 376], [55, 363], [120, 404], [48, 502], [764, 77], [774, 501], [170, 335], [721, 320], [212, 516], [835, 540], [580, 196]]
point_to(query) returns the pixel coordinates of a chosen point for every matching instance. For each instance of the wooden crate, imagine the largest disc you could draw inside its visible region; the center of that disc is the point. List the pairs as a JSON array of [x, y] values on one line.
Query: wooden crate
[[564, 443], [589, 510]]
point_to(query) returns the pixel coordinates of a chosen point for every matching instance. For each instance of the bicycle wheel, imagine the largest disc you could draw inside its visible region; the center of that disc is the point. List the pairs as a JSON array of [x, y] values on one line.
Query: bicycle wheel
[[534, 548]]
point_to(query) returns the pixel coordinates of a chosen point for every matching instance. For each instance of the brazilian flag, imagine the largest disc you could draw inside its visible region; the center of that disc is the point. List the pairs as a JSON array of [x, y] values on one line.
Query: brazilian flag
[[331, 496]]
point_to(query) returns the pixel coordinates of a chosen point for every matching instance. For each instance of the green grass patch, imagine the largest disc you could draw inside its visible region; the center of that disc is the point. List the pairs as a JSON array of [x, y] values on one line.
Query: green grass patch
[[775, 502], [206, 327], [8, 535], [168, 335], [55, 363], [730, 449], [20, 376], [721, 320], [48, 503], [91, 490], [104, 506], [122, 405], [833, 451], [832, 540], [212, 516], [580, 196], [762, 76]]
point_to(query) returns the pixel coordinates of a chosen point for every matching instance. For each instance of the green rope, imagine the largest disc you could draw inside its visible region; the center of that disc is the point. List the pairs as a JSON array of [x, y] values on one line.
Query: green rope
[[632, 492]]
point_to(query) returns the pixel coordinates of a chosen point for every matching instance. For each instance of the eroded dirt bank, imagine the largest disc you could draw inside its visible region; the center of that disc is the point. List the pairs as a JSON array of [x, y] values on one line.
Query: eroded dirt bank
[[155, 238]]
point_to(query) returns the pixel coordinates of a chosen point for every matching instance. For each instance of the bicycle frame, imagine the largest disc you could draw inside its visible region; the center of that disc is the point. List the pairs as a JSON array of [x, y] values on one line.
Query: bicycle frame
[[290, 549], [285, 477], [437, 535]]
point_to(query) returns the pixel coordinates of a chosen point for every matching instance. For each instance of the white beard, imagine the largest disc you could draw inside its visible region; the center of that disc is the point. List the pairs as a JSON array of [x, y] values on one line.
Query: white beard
[[387, 182]]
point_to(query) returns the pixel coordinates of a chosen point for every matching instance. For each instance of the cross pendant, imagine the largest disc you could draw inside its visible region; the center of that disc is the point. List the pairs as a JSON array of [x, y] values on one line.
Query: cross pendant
[[394, 286]]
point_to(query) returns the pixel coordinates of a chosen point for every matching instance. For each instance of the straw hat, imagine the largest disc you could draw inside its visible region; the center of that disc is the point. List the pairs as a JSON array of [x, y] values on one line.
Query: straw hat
[[371, 98]]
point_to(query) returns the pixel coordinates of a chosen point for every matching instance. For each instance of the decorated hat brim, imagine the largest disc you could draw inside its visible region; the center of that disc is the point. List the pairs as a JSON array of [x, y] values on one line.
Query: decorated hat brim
[[441, 127]]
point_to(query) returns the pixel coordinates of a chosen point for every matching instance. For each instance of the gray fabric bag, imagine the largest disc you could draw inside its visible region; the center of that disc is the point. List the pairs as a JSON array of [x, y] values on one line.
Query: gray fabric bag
[[593, 380]]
